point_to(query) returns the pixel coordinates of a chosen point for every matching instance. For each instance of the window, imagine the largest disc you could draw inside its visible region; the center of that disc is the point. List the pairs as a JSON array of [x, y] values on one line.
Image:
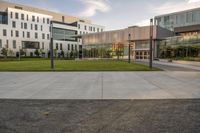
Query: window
[[85, 27], [101, 30], [27, 17], [0, 43], [68, 46], [61, 48], [79, 26], [80, 32], [33, 18], [43, 36], [28, 34], [76, 47], [36, 27], [43, 20], [22, 25], [94, 29], [36, 35], [41, 28], [4, 32], [63, 19], [7, 43], [47, 36], [31, 26], [42, 45], [72, 47], [11, 15], [22, 16], [17, 33], [47, 21], [16, 15], [38, 19], [57, 46], [13, 24], [23, 34], [25, 25], [97, 29], [11, 33], [14, 44]]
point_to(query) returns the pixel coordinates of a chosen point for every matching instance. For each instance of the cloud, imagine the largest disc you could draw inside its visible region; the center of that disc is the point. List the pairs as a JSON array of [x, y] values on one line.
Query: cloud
[[93, 6], [143, 22], [175, 6], [192, 1]]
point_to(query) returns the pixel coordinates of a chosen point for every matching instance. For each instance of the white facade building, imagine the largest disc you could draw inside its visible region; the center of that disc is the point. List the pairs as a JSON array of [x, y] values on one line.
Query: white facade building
[[28, 28], [25, 30]]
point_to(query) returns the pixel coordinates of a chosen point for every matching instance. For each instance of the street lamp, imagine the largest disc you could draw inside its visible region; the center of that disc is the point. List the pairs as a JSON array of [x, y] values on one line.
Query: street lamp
[[51, 47], [19, 53], [129, 48], [151, 47]]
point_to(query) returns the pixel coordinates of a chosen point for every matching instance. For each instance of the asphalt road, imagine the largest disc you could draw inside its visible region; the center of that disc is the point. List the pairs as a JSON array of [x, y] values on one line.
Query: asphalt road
[[100, 116]]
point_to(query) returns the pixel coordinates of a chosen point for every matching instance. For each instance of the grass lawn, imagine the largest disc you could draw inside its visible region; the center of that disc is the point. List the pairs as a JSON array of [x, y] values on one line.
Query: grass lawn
[[66, 65]]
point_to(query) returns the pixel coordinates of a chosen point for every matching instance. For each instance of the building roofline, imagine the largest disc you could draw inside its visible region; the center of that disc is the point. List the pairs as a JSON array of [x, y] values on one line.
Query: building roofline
[[40, 10], [173, 13]]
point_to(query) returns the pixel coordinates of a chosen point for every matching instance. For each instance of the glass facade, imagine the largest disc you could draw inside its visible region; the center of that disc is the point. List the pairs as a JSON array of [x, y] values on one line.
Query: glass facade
[[186, 45], [64, 34], [3, 18], [30, 45], [180, 19], [114, 50]]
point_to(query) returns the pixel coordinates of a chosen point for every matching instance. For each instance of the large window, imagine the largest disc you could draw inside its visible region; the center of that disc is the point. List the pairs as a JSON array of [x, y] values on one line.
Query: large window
[[22, 16], [33, 18], [25, 25], [30, 45], [16, 15], [36, 35], [17, 33], [3, 18], [36, 27], [13, 24], [64, 34], [14, 44], [4, 32], [43, 36], [142, 45], [28, 34]]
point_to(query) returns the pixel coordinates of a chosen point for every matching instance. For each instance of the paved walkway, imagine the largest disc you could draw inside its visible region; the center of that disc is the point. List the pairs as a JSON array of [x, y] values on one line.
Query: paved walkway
[[172, 66], [98, 85]]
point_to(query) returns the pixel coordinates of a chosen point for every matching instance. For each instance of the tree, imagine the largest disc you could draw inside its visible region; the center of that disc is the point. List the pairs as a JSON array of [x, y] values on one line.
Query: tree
[[55, 52], [4, 52], [37, 53], [10, 52], [22, 52], [62, 54]]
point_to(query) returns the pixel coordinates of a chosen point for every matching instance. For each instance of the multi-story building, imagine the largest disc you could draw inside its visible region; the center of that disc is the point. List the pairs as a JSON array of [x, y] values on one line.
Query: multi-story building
[[115, 44], [186, 28], [179, 19], [28, 28]]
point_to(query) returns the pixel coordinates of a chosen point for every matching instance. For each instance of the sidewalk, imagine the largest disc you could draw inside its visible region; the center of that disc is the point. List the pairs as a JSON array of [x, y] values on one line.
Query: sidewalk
[[100, 85]]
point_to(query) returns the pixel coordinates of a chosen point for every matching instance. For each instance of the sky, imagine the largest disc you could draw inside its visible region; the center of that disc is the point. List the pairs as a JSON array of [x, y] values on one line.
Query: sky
[[113, 14]]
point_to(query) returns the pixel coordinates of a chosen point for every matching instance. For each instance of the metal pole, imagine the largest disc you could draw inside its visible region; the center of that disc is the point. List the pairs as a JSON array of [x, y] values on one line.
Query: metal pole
[[151, 47], [129, 48], [19, 54], [51, 47]]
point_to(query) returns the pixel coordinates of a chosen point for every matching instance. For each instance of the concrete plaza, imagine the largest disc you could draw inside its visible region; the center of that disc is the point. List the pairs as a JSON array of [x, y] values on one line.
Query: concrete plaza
[[100, 85]]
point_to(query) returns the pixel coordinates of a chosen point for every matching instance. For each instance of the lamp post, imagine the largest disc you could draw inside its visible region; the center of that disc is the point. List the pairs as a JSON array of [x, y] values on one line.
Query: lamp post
[[19, 53], [129, 48], [51, 47], [151, 47]]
